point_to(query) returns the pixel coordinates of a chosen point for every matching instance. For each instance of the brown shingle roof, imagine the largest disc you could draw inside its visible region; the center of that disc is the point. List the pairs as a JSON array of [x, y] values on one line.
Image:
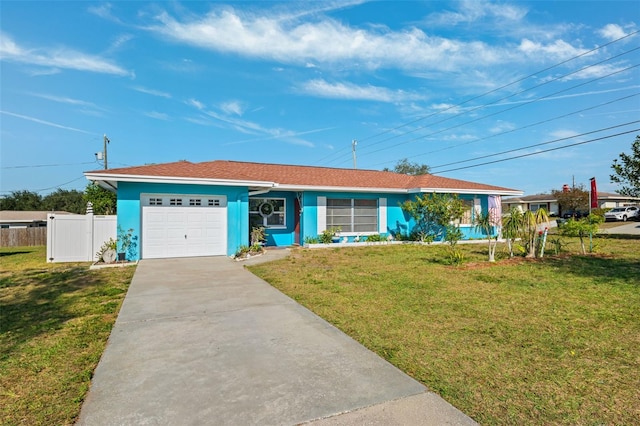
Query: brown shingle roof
[[297, 175]]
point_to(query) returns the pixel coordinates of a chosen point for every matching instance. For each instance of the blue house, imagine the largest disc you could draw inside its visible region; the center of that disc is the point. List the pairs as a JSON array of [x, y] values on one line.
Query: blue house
[[186, 209]]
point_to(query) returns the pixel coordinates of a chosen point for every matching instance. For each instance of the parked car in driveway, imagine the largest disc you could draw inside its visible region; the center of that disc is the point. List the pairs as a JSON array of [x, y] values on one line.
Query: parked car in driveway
[[622, 213], [578, 214]]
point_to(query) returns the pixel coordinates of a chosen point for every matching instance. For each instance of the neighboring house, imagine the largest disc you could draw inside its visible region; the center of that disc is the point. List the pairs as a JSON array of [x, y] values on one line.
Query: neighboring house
[[549, 203], [25, 219], [609, 200], [533, 203], [199, 209]]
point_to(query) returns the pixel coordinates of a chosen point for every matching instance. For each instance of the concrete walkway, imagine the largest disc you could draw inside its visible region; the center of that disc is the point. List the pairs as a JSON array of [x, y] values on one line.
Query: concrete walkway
[[201, 341]]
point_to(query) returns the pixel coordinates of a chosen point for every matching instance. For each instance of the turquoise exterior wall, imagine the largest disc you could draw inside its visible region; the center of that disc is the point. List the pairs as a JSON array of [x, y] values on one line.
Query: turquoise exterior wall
[[130, 209], [396, 218], [397, 222]]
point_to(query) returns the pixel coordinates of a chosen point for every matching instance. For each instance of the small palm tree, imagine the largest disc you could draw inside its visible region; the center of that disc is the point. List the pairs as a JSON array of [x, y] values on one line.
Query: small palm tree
[[530, 227], [512, 225], [485, 223]]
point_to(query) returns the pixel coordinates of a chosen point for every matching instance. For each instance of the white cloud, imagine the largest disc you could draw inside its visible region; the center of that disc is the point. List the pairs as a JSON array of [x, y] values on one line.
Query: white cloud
[[67, 100], [474, 10], [502, 126], [119, 41], [104, 11], [612, 32], [157, 115], [152, 92], [232, 107], [61, 57], [325, 41], [44, 122], [322, 88], [596, 71], [559, 49], [195, 103], [563, 133]]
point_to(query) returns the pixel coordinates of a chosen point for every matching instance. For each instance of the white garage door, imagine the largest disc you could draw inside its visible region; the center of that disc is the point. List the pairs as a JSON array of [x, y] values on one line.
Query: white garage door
[[183, 226]]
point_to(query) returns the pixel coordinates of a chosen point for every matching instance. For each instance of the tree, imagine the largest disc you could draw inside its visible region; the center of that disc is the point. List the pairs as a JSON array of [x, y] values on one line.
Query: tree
[[63, 200], [486, 223], [512, 225], [434, 214], [406, 167], [104, 201], [573, 199], [582, 228], [531, 221], [22, 200], [627, 171]]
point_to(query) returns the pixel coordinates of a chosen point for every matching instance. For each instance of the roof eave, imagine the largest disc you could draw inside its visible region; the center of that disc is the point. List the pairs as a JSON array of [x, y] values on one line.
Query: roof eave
[[302, 188], [106, 177], [466, 191]]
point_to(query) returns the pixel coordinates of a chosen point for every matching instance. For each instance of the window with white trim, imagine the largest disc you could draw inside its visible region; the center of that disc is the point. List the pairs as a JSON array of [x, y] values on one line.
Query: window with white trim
[[195, 202], [472, 209], [352, 215], [175, 201], [536, 207], [155, 201], [267, 212]]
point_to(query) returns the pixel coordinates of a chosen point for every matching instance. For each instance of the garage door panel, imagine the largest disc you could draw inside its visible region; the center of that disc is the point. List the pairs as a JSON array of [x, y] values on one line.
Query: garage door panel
[[165, 227]]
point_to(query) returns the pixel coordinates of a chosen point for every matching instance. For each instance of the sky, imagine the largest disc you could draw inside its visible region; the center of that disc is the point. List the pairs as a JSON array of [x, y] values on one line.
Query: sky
[[528, 95]]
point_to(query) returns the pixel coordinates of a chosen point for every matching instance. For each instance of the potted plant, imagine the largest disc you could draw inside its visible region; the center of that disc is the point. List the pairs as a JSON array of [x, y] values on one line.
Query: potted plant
[[107, 251], [125, 240]]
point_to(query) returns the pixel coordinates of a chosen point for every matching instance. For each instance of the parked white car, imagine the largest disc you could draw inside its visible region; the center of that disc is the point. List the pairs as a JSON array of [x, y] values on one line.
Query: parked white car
[[622, 213]]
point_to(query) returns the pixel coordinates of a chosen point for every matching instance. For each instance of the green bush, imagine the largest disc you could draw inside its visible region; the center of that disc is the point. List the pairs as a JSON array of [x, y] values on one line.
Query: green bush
[[327, 235]]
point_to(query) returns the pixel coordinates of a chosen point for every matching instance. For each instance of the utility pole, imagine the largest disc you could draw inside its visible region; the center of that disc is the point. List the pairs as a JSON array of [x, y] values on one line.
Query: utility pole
[[354, 143], [106, 141]]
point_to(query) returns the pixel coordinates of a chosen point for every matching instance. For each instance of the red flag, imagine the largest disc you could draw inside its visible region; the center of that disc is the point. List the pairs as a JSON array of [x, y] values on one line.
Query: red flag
[[594, 194]]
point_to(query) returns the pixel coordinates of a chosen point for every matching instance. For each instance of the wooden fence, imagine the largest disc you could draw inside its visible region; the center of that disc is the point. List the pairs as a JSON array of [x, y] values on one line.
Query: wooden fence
[[22, 237]]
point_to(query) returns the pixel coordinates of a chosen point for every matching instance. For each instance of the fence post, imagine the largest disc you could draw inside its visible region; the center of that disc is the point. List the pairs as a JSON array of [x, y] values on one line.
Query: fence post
[[50, 232], [90, 231]]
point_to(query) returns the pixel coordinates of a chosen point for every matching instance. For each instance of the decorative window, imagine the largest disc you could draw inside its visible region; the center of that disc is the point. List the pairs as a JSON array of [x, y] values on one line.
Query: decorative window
[[175, 201], [352, 215], [155, 201], [213, 203], [267, 212], [195, 202]]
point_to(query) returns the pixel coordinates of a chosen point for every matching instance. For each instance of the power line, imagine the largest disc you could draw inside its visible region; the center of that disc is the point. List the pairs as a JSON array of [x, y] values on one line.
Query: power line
[[523, 127], [507, 109], [496, 102], [535, 145], [538, 152], [338, 152], [45, 165], [504, 86]]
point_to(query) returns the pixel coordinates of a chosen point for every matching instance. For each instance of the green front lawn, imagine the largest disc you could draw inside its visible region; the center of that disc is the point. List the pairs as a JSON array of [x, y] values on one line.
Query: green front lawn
[[551, 341], [55, 320]]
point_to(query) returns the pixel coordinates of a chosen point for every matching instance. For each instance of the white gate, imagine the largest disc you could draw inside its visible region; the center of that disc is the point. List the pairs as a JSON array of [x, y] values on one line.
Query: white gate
[[77, 238]]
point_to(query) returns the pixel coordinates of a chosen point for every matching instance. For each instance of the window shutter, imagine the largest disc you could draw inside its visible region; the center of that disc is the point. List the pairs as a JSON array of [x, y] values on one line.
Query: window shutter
[[382, 215], [322, 214]]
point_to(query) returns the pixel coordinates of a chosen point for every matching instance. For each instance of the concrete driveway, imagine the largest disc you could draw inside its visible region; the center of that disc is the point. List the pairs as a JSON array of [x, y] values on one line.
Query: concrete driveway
[[201, 341]]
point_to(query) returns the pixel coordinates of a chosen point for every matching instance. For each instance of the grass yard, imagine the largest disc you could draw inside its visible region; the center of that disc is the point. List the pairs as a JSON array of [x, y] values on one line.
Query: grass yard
[[551, 341], [55, 319]]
